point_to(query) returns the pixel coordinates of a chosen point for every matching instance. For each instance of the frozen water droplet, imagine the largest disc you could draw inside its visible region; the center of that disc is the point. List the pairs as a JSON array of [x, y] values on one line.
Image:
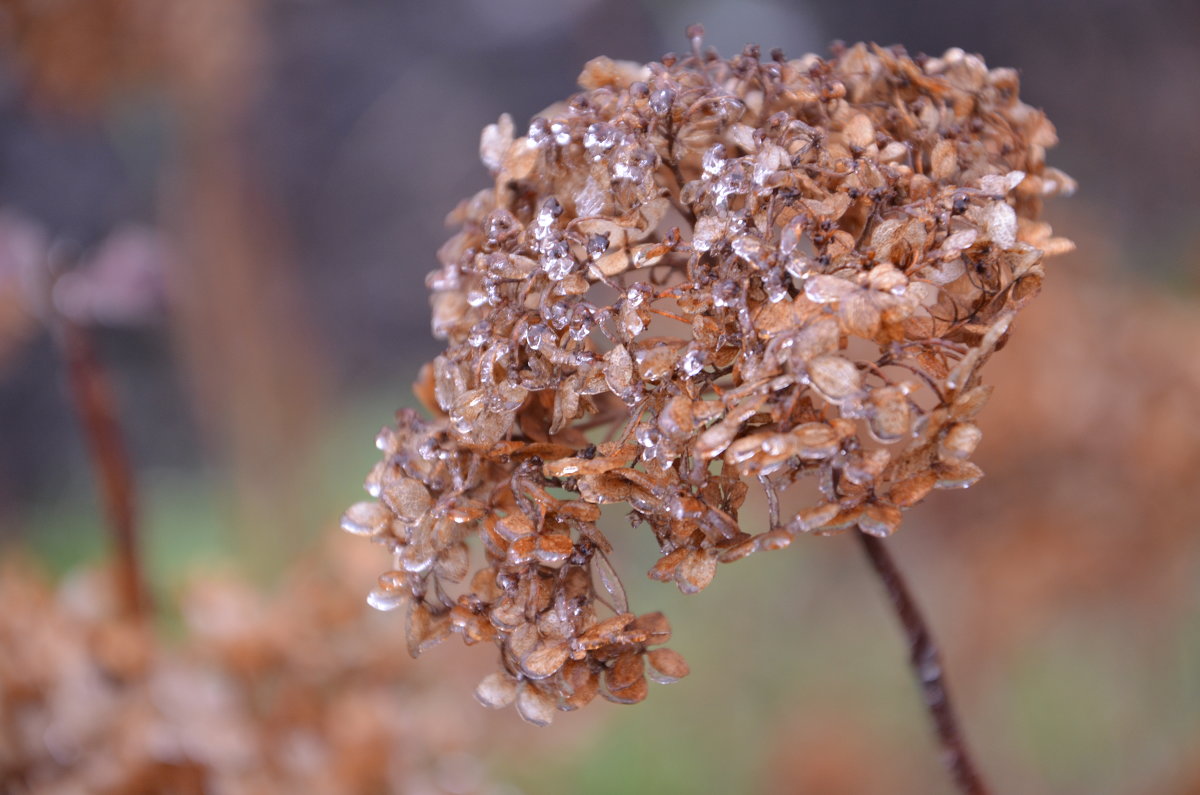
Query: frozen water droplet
[[597, 244], [580, 330], [559, 268], [590, 200], [750, 249], [726, 293], [537, 335], [479, 334], [650, 440], [661, 101], [561, 133], [776, 289], [714, 160], [498, 225], [539, 131], [732, 182], [647, 437], [599, 138], [625, 169], [494, 297], [799, 266], [550, 211], [557, 315], [692, 363]]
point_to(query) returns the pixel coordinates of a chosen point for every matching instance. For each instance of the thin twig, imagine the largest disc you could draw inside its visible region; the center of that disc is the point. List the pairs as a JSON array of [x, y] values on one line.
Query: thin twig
[[93, 401], [927, 665]]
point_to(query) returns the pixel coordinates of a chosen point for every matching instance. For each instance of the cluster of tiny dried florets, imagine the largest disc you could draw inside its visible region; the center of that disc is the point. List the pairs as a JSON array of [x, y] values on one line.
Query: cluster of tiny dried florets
[[294, 693], [694, 274]]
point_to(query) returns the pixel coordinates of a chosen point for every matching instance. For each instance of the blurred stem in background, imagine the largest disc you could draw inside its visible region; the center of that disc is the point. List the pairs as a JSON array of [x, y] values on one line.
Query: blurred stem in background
[[94, 404], [252, 356], [927, 665]]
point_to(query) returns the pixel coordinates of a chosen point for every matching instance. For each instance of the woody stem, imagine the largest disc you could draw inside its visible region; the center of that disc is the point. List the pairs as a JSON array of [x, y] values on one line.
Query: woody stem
[[95, 407], [927, 665]]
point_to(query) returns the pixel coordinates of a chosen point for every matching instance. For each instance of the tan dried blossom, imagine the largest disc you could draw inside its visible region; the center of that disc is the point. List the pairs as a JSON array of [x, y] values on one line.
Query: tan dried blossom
[[691, 276], [295, 692]]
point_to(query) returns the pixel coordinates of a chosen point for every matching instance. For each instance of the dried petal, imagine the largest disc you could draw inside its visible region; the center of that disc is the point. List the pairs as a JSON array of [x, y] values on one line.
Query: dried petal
[[633, 694], [425, 629], [366, 519], [553, 550], [535, 706], [406, 496], [666, 666], [545, 661], [696, 571], [836, 378], [960, 441], [626, 671], [610, 583], [890, 414], [497, 690], [879, 520]]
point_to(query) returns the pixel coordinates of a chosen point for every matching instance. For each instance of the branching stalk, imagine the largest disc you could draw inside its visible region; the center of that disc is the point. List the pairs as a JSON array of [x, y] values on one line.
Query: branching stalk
[[927, 665]]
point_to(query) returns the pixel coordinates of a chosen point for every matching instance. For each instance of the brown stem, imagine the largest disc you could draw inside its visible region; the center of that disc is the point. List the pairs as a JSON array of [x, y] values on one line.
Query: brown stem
[[95, 407], [926, 663]]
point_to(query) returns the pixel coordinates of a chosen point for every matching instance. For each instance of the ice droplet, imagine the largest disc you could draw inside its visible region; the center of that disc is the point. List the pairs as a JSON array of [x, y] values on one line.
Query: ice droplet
[[776, 289], [726, 293], [385, 601], [479, 334], [561, 133], [599, 138], [549, 211], [692, 363], [661, 101], [539, 131], [536, 336], [714, 160], [559, 268]]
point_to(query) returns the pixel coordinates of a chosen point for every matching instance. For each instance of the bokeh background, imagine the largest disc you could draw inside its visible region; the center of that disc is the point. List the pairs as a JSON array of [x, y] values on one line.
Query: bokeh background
[[256, 189]]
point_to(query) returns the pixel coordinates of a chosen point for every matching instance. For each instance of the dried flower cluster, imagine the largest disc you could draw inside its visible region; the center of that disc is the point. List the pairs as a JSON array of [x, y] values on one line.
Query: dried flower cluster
[[293, 693], [694, 274]]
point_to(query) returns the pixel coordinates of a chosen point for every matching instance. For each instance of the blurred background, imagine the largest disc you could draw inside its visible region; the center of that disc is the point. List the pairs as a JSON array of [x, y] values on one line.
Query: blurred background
[[251, 192]]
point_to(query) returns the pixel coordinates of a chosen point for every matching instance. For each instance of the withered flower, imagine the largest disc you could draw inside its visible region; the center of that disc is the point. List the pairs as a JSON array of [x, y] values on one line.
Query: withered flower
[[295, 691], [691, 277]]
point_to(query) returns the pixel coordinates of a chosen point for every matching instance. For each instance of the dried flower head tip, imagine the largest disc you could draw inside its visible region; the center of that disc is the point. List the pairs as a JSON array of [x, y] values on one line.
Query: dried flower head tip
[[694, 277]]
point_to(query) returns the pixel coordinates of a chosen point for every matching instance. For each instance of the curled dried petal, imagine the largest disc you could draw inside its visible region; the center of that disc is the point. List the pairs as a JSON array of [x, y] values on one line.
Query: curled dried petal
[[366, 519]]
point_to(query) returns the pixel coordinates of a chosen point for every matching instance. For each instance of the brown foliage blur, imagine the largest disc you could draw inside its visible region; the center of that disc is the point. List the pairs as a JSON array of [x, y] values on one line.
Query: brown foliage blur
[[294, 691]]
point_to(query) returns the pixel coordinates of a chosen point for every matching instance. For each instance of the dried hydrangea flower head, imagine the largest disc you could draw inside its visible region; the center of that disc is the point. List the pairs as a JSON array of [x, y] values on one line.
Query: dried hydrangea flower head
[[691, 277]]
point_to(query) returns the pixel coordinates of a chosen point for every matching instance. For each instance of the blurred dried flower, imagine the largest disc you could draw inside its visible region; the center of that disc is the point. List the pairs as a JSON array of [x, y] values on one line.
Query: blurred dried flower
[[691, 275], [76, 56], [293, 692]]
